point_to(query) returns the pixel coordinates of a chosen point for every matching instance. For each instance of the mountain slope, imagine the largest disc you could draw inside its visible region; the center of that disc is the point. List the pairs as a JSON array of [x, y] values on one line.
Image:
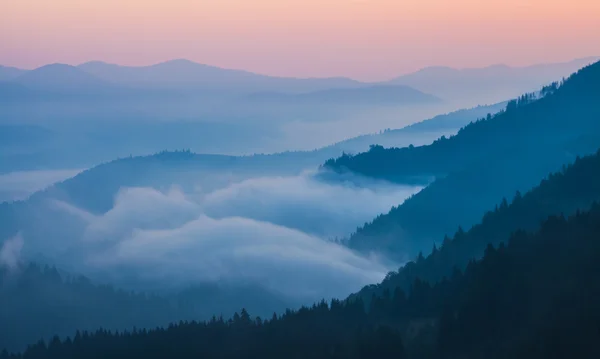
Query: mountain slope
[[574, 189], [10, 91], [420, 133], [188, 75], [28, 153], [47, 303], [486, 160], [60, 78], [9, 73], [382, 95]]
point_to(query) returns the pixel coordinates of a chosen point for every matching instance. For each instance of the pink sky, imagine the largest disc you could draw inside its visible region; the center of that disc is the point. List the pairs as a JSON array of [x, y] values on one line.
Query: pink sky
[[363, 39]]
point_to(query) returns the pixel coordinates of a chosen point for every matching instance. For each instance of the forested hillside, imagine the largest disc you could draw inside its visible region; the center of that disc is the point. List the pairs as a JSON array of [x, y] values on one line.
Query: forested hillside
[[39, 302], [535, 297], [486, 160], [571, 190]]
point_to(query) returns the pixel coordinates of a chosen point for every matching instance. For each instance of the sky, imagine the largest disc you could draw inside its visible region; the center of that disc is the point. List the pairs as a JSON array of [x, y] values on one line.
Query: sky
[[362, 39]]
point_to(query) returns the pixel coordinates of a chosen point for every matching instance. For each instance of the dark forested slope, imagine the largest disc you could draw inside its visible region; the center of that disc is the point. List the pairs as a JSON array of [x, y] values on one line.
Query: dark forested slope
[[564, 113], [573, 189], [486, 160], [533, 298], [39, 302]]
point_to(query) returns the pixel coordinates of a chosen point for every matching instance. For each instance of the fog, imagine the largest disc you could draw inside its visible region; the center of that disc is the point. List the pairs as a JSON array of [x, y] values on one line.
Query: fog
[[10, 252], [271, 231], [54, 139], [19, 185], [323, 209]]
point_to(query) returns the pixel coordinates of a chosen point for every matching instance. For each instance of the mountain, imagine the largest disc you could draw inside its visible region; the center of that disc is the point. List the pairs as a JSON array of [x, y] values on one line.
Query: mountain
[[484, 161], [10, 91], [60, 78], [419, 133], [574, 189], [155, 170], [10, 73], [492, 84], [187, 75], [379, 95], [467, 87], [58, 149], [534, 297], [96, 188], [46, 302]]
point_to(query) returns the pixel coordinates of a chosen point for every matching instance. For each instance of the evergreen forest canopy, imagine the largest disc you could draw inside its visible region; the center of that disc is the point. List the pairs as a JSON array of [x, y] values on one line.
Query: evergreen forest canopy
[[573, 189]]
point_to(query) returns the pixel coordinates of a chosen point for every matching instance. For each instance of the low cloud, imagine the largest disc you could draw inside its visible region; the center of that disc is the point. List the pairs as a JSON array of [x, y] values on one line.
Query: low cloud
[[267, 231], [10, 252], [240, 249], [301, 202], [20, 185]]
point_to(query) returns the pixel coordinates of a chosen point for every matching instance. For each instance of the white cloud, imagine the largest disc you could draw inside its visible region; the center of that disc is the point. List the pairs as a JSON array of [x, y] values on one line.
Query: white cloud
[[10, 252], [266, 231], [142, 208], [19, 185], [234, 248], [304, 203]]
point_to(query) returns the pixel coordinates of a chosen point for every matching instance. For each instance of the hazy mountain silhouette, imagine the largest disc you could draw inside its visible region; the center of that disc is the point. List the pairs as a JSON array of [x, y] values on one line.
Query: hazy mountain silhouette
[[188, 75], [60, 78], [382, 95], [182, 94], [490, 84], [441, 125], [64, 85], [9, 73], [25, 149], [10, 91], [471, 87]]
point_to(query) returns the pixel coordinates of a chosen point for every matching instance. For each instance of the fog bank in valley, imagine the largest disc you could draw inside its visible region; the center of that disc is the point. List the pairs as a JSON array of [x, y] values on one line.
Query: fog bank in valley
[[273, 232], [19, 185]]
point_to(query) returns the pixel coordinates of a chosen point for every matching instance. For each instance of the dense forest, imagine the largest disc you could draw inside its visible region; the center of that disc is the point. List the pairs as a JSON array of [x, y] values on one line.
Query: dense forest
[[489, 159], [534, 297], [574, 188], [39, 302]]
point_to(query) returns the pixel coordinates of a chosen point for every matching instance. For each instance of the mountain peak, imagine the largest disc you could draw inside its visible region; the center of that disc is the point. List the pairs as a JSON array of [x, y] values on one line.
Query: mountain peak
[[56, 67], [96, 63], [8, 73]]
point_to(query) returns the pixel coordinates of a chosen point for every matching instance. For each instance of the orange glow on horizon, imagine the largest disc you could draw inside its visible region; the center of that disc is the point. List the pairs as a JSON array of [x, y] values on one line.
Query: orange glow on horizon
[[364, 39]]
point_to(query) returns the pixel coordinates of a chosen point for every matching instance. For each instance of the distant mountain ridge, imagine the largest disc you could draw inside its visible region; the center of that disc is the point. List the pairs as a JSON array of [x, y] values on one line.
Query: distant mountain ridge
[[27, 138], [68, 83], [59, 77], [489, 84], [9, 73], [185, 74], [379, 94]]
